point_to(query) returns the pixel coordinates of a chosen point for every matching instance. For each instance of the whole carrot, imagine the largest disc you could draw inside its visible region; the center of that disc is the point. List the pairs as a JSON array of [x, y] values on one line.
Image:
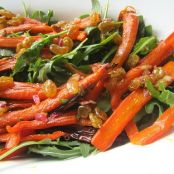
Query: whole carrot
[[130, 29]]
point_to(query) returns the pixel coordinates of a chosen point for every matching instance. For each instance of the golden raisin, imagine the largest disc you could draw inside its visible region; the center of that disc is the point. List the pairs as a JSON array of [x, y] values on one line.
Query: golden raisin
[[95, 120], [6, 13], [50, 88], [3, 107], [6, 82], [83, 111], [106, 26], [17, 20], [132, 61], [55, 49], [101, 114], [73, 85], [68, 42]]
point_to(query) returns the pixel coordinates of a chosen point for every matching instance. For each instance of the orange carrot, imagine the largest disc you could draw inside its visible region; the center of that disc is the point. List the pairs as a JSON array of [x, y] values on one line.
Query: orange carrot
[[7, 63], [14, 104], [50, 104], [12, 42], [130, 28], [34, 28], [155, 57], [123, 114], [95, 92], [131, 130], [39, 137], [157, 130], [35, 124]]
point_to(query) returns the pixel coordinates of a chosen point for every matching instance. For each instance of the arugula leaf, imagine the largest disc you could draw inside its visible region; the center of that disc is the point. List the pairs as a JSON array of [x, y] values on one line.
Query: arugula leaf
[[43, 16], [148, 30], [84, 16], [145, 45], [25, 144], [164, 95], [96, 7], [58, 149], [32, 53], [6, 52], [149, 108]]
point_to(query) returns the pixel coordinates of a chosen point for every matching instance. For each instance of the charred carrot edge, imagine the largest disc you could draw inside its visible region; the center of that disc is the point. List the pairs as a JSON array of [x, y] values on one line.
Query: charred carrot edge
[[50, 104], [157, 130], [130, 29], [38, 137], [123, 114], [131, 130], [35, 124], [95, 92], [156, 57]]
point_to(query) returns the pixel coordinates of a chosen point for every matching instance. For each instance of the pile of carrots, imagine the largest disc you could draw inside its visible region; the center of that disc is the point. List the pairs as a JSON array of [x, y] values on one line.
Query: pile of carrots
[[20, 125]]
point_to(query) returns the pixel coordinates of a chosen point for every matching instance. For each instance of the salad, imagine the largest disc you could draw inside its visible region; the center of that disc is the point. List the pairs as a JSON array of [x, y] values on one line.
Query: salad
[[74, 88]]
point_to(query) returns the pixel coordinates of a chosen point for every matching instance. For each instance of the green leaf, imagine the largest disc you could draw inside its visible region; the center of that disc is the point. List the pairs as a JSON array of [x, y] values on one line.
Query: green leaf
[[6, 52], [164, 95], [63, 101], [84, 16], [53, 151], [145, 45], [96, 7], [32, 53], [149, 108], [85, 149], [25, 144], [148, 30]]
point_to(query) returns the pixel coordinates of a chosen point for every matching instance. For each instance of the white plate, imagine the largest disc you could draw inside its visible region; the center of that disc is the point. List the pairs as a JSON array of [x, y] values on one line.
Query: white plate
[[154, 158]]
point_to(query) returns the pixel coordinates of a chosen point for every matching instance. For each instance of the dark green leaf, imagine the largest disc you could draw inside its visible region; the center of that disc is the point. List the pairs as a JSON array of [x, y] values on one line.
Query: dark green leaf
[[148, 30], [32, 53], [145, 45], [164, 95]]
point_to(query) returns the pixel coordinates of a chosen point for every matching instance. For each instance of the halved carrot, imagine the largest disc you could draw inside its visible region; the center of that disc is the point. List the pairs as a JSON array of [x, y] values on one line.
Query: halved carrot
[[123, 114], [7, 63], [130, 29]]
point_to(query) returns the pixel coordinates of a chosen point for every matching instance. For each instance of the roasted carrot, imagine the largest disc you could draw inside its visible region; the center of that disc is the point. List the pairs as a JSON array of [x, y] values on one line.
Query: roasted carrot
[[19, 104], [12, 42], [131, 130], [33, 28], [130, 28], [38, 137], [95, 92], [155, 57], [123, 114], [157, 130], [50, 104], [35, 124], [7, 63]]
